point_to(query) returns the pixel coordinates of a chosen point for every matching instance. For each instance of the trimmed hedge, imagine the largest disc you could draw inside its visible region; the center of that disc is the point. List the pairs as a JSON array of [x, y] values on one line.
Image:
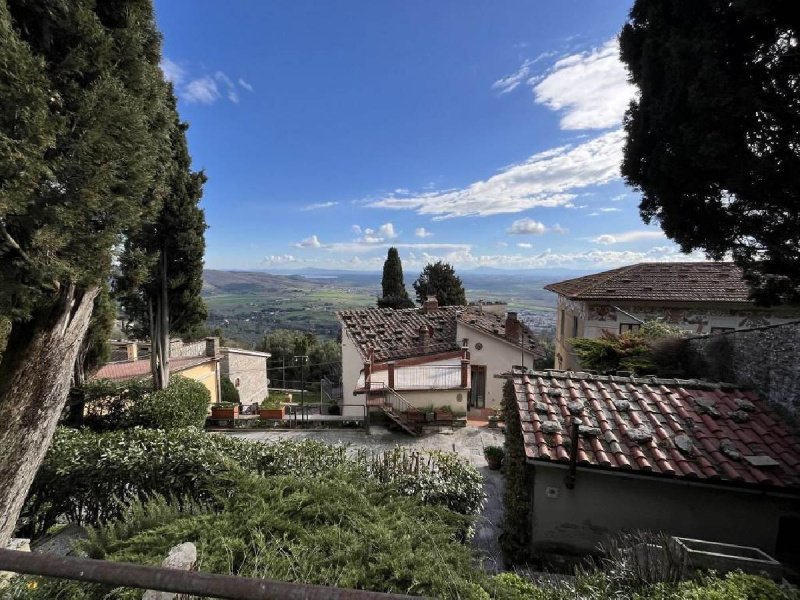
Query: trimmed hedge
[[229, 391], [183, 403], [90, 478]]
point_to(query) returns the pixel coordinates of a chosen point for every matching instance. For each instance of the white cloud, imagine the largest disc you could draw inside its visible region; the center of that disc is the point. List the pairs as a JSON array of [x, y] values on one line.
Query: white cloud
[[509, 83], [203, 90], [421, 232], [608, 209], [309, 242], [559, 229], [502, 244], [356, 229], [628, 236], [526, 227], [280, 259], [544, 180], [524, 245], [387, 231], [173, 71], [589, 89], [619, 197], [319, 205], [245, 85]]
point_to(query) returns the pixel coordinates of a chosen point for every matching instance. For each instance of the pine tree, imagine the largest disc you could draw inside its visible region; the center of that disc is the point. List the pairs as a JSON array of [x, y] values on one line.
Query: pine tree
[[713, 135], [394, 289], [162, 266], [81, 116], [440, 280]]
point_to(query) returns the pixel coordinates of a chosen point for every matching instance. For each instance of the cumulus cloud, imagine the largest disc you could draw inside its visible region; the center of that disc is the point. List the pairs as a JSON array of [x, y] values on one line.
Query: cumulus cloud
[[526, 227], [421, 232], [309, 242], [319, 205], [355, 229], [628, 236], [280, 259], [589, 89], [524, 245], [544, 180], [387, 231], [203, 90]]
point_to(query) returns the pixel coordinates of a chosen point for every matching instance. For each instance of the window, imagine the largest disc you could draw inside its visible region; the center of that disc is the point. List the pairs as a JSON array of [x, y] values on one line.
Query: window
[[237, 382], [722, 329], [629, 327], [574, 327]]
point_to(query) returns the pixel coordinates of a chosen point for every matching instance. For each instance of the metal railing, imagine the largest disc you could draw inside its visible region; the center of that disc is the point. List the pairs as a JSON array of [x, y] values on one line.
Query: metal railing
[[429, 377], [229, 587]]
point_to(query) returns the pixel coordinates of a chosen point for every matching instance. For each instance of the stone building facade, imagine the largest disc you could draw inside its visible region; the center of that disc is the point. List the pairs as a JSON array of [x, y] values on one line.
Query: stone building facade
[[247, 370]]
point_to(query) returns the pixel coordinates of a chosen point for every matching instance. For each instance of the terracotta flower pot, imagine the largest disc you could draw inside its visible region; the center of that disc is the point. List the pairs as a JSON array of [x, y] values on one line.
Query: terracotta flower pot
[[224, 412], [273, 414], [494, 462]]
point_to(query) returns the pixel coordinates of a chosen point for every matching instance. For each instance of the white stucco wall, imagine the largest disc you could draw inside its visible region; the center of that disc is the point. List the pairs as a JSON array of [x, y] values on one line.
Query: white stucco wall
[[600, 504], [455, 399], [352, 365], [496, 355]]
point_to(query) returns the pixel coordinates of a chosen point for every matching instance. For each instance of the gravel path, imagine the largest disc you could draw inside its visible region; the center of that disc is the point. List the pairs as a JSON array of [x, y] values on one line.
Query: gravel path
[[467, 441]]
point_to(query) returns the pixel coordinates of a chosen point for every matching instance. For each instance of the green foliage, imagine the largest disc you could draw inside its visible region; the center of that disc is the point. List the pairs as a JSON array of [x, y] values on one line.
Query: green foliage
[[106, 403], [494, 452], [229, 392], [440, 280], [712, 135], [394, 290], [510, 586], [88, 477], [184, 403], [324, 357], [516, 527], [630, 351]]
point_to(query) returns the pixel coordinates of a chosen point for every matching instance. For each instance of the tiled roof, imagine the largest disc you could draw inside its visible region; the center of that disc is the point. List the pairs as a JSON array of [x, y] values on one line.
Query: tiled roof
[[683, 429], [134, 369], [394, 334], [681, 282], [495, 325]]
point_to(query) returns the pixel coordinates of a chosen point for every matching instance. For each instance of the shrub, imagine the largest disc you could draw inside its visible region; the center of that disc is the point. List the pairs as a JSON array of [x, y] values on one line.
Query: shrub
[[229, 391], [516, 527], [496, 452], [106, 402], [89, 478], [328, 530], [183, 403]]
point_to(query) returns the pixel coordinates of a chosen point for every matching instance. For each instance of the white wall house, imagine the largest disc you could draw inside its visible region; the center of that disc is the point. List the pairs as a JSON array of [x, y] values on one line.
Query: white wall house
[[432, 356], [699, 297]]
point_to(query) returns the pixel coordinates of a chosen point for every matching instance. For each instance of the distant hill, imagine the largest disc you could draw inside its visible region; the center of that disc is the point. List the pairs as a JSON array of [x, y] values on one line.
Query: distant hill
[[252, 282]]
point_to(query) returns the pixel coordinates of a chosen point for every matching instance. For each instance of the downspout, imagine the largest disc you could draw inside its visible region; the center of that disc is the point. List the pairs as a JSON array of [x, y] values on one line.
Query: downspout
[[569, 480]]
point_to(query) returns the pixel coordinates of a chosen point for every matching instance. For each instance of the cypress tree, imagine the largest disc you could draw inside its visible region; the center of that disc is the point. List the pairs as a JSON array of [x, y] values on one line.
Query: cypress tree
[[394, 289], [81, 149]]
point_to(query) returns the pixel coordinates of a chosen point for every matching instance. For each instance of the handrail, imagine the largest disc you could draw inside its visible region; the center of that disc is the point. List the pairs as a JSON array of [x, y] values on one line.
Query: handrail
[[229, 587]]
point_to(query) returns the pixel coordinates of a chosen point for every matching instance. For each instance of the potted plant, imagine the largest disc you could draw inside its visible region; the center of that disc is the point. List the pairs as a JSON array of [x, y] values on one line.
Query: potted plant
[[224, 410], [494, 456], [443, 413], [271, 409]]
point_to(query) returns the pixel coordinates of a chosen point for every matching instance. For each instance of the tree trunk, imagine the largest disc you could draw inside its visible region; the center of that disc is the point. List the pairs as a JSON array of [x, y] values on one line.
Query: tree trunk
[[35, 375], [159, 328]]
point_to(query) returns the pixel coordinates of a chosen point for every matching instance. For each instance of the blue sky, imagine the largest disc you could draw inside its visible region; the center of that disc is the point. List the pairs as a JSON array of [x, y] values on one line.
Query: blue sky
[[484, 134]]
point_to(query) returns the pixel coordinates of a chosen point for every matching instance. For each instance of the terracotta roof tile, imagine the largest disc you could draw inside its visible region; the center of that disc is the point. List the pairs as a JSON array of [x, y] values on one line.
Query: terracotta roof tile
[[396, 334], [120, 371], [680, 282], [663, 427]]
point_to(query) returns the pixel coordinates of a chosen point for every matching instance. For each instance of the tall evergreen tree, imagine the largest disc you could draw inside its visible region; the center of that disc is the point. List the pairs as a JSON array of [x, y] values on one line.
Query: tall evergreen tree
[[713, 136], [81, 144], [162, 266], [440, 280], [394, 288]]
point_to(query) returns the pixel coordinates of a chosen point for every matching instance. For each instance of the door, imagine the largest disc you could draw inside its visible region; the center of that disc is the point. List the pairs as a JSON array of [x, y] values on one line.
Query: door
[[477, 394]]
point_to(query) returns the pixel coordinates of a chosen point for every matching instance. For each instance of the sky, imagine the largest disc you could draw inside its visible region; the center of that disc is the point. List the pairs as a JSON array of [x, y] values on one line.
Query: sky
[[483, 134]]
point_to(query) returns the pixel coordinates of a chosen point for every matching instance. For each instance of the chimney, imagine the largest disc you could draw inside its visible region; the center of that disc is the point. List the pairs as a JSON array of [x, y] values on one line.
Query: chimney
[[367, 373], [430, 305], [132, 350], [424, 337], [513, 328], [212, 346]]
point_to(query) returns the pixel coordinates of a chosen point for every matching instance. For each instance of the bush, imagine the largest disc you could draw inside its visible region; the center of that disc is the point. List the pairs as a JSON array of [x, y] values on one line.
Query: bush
[[229, 391], [496, 452], [515, 537], [89, 478], [327, 530], [183, 403], [106, 402]]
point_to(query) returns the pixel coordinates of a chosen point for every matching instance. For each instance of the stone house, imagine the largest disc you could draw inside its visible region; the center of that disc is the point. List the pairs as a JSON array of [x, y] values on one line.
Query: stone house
[[433, 356], [195, 360], [686, 457], [700, 297], [247, 370]]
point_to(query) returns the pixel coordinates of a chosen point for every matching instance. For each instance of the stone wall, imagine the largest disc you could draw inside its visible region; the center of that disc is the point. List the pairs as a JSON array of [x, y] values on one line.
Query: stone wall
[[766, 358], [249, 371]]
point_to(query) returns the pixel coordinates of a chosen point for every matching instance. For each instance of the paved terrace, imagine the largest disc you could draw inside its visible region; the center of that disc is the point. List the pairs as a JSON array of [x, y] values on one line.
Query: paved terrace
[[467, 441]]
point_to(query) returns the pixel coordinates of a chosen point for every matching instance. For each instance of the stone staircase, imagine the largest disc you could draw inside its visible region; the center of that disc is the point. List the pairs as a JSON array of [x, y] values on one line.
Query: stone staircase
[[397, 408]]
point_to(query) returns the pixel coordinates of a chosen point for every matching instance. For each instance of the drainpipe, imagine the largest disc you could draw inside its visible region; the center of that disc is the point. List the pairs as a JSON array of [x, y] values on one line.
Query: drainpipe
[[573, 454]]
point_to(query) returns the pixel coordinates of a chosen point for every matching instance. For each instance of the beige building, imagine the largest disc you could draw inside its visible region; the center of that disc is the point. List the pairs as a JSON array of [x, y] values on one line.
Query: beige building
[[700, 297], [247, 370], [687, 458], [432, 356]]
